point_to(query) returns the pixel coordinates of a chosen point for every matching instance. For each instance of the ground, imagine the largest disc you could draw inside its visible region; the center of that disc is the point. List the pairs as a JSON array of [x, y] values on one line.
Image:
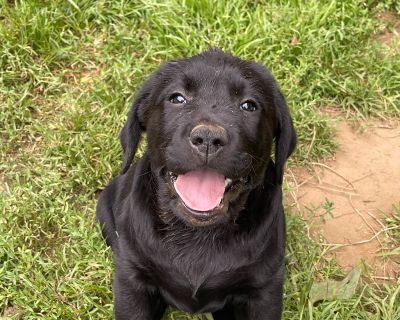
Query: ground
[[68, 73], [348, 199]]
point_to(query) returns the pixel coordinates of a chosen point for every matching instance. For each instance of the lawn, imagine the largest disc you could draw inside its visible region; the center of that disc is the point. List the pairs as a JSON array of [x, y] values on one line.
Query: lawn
[[68, 73]]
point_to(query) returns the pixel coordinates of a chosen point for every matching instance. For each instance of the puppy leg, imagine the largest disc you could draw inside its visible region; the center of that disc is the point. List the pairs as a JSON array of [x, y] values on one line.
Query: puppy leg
[[254, 310], [260, 311], [105, 216], [134, 303], [269, 307], [226, 313]]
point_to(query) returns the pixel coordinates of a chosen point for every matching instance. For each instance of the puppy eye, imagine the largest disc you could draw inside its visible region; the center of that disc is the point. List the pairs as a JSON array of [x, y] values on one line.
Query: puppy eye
[[248, 106], [177, 99]]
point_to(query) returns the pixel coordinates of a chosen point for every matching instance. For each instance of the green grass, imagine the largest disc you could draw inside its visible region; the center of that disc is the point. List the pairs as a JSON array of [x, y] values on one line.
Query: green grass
[[68, 72]]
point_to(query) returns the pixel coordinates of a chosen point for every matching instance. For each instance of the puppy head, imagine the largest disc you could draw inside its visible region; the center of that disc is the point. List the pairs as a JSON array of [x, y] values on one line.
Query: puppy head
[[211, 122]]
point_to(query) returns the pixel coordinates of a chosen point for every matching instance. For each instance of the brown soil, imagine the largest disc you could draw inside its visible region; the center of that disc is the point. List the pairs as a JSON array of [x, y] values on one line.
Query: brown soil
[[348, 197], [12, 312], [390, 36]]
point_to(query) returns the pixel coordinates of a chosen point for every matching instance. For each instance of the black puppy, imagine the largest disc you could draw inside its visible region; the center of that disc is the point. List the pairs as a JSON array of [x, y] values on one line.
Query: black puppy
[[197, 222]]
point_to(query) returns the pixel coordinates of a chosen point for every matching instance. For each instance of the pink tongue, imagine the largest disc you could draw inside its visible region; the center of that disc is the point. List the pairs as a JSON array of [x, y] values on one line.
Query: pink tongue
[[201, 190]]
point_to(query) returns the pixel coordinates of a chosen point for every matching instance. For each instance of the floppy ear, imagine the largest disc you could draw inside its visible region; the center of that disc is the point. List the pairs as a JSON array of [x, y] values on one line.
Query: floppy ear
[[133, 127], [285, 139]]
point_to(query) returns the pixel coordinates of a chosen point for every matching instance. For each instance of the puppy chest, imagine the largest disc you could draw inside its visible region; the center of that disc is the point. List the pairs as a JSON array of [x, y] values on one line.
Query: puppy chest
[[198, 295]]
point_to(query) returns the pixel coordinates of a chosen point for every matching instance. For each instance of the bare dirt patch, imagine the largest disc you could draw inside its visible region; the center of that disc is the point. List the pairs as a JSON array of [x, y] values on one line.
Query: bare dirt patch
[[390, 36], [12, 312], [348, 197]]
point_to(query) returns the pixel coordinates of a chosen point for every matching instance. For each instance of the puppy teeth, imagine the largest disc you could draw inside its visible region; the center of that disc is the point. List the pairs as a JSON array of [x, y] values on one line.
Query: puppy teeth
[[227, 182], [172, 176]]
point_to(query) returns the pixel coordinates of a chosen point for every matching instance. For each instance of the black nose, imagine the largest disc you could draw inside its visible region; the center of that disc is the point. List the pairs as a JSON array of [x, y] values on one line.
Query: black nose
[[208, 139]]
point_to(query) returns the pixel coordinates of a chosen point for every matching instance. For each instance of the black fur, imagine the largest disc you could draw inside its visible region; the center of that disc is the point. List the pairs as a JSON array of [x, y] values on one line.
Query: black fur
[[231, 263]]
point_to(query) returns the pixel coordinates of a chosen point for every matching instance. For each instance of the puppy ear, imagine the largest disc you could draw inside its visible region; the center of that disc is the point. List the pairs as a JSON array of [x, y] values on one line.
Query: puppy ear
[[285, 139], [133, 127]]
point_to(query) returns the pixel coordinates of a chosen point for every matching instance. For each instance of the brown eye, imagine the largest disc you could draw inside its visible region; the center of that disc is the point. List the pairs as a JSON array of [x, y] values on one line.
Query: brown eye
[[248, 106], [177, 99]]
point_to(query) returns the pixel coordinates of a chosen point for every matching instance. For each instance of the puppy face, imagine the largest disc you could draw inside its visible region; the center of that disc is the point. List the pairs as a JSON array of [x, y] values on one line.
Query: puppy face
[[211, 121]]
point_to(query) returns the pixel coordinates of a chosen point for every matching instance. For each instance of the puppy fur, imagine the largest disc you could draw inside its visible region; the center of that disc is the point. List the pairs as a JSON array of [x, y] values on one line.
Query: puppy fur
[[230, 261]]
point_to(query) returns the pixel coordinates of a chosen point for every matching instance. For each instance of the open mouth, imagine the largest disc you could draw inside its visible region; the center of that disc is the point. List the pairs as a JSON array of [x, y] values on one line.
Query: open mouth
[[203, 191]]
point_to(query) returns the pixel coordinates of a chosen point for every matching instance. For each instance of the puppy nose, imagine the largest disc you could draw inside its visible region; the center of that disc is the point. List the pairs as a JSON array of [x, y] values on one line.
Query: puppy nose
[[208, 139]]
